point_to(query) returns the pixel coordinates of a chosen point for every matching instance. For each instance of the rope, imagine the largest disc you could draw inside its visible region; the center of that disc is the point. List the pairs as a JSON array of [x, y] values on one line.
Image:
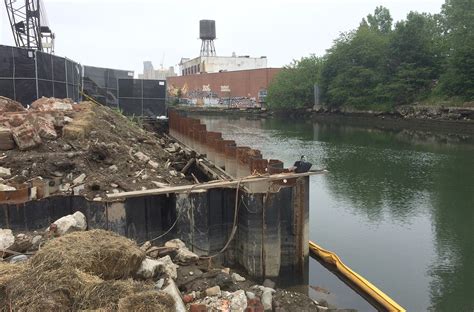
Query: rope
[[160, 236], [234, 226]]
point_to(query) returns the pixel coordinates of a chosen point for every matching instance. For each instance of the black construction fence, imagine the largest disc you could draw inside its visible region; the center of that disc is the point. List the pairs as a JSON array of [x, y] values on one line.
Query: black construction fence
[[102, 84], [142, 97], [27, 75]]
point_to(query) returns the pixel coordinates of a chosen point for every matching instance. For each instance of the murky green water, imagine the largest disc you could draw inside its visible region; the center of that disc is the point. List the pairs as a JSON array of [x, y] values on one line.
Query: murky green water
[[397, 207]]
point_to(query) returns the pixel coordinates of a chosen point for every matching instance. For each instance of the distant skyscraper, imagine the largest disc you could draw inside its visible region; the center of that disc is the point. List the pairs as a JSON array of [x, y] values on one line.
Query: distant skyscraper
[[149, 72]]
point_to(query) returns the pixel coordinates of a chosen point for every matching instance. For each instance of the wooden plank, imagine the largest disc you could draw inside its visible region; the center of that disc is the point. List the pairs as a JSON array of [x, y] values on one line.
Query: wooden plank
[[189, 164], [214, 184]]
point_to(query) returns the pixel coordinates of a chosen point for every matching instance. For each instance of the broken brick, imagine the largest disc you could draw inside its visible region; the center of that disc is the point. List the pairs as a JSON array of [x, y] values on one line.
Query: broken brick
[[6, 139], [25, 136]]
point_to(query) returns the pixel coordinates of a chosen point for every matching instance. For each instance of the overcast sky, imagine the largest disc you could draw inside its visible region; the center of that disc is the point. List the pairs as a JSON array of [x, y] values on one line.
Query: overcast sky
[[123, 33]]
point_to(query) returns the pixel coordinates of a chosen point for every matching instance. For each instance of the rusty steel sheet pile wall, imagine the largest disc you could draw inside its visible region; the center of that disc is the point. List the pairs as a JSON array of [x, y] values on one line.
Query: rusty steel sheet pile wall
[[237, 161], [273, 227]]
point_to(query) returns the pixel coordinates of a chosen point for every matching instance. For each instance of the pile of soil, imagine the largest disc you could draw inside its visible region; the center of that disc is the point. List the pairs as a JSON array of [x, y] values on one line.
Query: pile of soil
[[115, 155]]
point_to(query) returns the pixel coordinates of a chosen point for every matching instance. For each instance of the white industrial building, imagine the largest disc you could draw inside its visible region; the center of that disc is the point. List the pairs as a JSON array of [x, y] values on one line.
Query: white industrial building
[[215, 64]]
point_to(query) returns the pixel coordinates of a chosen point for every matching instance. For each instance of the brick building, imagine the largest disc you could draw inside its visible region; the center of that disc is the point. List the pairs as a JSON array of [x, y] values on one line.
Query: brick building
[[218, 88]]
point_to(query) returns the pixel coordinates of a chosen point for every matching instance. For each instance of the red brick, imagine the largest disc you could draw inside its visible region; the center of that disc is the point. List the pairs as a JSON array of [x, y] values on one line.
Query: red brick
[[6, 139], [45, 128], [198, 308], [9, 105], [254, 305], [25, 136], [188, 298], [52, 104]]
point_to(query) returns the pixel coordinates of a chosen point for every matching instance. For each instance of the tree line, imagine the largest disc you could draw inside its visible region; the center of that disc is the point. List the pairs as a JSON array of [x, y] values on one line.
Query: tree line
[[426, 58]]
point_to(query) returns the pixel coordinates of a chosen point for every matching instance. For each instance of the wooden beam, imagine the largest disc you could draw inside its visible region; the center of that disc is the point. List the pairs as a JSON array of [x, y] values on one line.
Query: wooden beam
[[189, 164], [213, 184]]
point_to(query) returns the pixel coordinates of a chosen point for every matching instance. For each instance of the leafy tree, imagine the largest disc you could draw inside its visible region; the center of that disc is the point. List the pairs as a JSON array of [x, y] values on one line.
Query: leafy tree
[[355, 67], [415, 58], [458, 80], [381, 20], [293, 87]]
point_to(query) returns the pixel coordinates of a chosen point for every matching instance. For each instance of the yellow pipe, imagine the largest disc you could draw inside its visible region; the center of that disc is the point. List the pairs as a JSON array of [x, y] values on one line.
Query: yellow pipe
[[366, 286], [90, 98]]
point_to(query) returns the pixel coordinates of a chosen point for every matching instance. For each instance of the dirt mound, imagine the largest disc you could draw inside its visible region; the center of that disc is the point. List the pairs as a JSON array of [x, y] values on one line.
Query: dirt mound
[[84, 149], [149, 301], [102, 253]]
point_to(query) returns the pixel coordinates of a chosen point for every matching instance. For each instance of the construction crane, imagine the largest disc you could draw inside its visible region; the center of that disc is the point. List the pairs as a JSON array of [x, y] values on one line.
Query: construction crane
[[29, 25]]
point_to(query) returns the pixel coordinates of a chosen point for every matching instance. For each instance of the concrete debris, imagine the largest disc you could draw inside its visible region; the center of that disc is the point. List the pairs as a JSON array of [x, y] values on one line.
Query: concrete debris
[[267, 298], [175, 243], [142, 157], [238, 278], [250, 295], [69, 223], [173, 291], [5, 172], [226, 270], [213, 291], [6, 238], [4, 188], [238, 301], [36, 240], [184, 255], [153, 164], [113, 168], [80, 179], [168, 267], [159, 284], [148, 269]]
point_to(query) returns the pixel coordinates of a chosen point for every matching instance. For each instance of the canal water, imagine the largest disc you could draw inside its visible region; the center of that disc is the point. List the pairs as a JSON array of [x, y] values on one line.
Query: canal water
[[396, 206]]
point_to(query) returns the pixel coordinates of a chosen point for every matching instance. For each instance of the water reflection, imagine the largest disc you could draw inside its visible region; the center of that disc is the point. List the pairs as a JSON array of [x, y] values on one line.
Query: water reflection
[[398, 206]]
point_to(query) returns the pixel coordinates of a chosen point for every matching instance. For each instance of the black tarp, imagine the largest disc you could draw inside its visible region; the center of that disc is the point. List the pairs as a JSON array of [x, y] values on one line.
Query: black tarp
[[142, 97], [102, 84], [27, 75]]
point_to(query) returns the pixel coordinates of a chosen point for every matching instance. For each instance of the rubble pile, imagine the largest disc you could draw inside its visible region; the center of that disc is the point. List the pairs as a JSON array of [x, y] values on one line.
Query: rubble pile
[[67, 268], [58, 147]]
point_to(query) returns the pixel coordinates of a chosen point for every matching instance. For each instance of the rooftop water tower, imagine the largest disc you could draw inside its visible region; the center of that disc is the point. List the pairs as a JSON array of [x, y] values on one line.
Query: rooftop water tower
[[207, 33]]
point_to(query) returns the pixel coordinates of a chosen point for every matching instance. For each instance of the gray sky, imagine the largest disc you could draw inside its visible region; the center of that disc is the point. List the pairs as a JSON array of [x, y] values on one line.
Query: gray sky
[[123, 33]]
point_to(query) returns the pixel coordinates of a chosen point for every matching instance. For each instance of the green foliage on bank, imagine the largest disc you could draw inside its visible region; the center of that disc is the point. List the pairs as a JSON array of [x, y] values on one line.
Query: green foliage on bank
[[425, 58], [293, 86]]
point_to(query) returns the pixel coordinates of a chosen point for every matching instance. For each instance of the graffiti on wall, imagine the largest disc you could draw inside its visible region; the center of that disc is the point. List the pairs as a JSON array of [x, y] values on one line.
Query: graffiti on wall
[[206, 97]]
